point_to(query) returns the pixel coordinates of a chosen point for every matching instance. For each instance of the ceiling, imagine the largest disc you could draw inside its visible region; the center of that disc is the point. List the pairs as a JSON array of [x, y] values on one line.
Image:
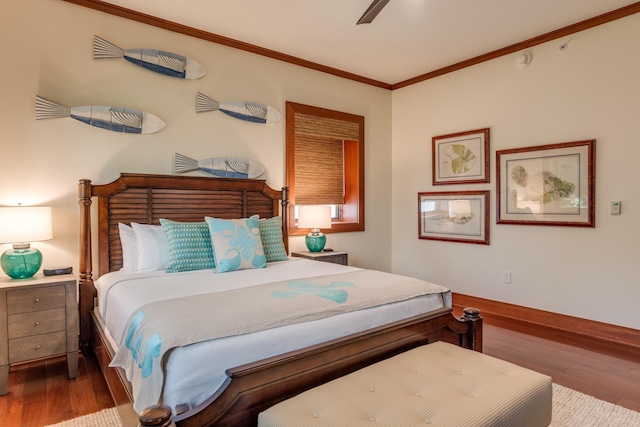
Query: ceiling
[[409, 38]]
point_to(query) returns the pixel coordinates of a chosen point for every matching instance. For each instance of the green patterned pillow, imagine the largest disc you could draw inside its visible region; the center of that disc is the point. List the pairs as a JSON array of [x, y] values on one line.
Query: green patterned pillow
[[272, 242], [189, 246], [236, 243]]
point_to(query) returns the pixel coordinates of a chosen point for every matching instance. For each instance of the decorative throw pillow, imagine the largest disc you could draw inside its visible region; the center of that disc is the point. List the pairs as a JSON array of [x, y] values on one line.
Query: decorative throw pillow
[[189, 245], [153, 247], [236, 243], [272, 241], [129, 247]]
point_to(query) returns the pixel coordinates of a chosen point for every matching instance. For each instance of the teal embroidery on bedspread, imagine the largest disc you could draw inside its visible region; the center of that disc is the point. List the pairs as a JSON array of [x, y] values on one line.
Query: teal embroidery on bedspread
[[330, 292], [142, 352]]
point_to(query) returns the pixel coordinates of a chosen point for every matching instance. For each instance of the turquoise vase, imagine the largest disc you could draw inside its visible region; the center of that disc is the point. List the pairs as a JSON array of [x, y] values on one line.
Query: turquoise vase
[[315, 242], [20, 263]]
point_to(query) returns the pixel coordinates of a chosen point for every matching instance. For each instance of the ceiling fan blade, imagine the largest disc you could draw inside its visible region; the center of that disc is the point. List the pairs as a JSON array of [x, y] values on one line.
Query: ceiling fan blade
[[372, 11]]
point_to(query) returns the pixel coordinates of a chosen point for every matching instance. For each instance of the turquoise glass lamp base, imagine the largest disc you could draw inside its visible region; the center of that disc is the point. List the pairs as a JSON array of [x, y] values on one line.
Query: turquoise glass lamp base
[[21, 263], [315, 242]]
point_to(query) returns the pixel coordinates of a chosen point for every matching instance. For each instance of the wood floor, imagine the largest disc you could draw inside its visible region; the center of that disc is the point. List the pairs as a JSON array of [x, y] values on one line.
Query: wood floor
[[40, 392], [607, 374]]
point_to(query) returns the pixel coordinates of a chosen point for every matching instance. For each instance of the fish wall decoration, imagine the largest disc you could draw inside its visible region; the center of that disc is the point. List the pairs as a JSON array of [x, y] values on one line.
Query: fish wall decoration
[[117, 119], [159, 61], [243, 110], [223, 167]]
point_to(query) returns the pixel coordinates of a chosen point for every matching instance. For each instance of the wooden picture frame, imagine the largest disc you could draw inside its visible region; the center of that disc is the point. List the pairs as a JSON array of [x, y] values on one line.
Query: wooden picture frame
[[550, 184], [454, 216], [461, 158]]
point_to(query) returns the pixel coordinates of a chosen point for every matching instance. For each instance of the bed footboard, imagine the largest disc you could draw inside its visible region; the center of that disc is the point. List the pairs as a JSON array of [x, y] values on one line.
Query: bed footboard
[[257, 386]]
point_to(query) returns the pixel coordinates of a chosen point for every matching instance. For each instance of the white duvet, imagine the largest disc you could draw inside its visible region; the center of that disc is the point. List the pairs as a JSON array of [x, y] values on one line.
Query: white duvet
[[195, 374]]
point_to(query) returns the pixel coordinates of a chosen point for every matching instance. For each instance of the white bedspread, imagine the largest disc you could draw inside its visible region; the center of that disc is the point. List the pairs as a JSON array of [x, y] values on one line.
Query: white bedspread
[[196, 372]]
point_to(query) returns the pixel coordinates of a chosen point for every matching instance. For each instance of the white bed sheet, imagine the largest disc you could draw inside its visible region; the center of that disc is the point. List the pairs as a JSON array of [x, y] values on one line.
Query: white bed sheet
[[196, 373]]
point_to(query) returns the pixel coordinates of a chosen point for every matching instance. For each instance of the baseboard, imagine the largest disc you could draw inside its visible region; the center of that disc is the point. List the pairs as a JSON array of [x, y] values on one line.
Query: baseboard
[[597, 335]]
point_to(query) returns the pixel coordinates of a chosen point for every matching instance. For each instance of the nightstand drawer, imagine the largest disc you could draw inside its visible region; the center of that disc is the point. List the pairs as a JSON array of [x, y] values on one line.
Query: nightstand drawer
[[35, 299], [37, 322], [21, 349]]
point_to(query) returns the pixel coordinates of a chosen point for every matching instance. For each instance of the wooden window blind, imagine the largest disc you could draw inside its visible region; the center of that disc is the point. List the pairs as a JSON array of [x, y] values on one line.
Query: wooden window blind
[[319, 153], [342, 133]]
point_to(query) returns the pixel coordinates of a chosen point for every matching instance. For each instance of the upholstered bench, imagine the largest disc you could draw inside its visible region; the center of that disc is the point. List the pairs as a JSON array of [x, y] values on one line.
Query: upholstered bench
[[439, 384]]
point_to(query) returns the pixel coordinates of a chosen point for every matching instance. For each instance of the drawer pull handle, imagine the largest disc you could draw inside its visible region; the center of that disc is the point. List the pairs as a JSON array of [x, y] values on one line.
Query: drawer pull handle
[[37, 323], [37, 347], [36, 300]]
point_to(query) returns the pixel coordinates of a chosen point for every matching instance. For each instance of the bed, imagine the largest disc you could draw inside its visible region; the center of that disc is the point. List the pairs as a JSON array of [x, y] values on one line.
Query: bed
[[244, 373]]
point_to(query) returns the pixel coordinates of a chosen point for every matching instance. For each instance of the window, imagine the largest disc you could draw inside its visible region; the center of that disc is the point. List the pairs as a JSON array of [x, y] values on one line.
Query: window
[[325, 164]]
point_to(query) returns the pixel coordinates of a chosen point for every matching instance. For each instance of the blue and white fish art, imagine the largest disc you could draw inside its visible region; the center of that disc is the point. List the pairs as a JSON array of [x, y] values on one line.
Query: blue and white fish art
[[243, 110], [159, 61], [117, 119], [223, 167]]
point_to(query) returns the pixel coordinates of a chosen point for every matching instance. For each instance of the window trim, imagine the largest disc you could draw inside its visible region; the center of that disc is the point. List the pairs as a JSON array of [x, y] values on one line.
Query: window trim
[[352, 211]]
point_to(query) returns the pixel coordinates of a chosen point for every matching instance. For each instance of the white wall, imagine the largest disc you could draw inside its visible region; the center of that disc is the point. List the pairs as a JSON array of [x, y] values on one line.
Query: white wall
[[48, 50], [588, 91]]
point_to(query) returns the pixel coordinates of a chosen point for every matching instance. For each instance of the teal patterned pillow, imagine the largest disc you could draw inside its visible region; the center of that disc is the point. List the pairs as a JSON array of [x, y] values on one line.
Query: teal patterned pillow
[[272, 241], [189, 246], [236, 243]]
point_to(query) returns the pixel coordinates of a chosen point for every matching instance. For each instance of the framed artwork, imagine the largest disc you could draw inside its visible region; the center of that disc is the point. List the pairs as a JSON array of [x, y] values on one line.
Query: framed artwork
[[461, 158], [461, 216], [547, 185]]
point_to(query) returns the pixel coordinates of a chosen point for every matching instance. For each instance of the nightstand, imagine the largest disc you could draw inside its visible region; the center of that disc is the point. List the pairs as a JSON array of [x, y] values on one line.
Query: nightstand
[[38, 318], [333, 256]]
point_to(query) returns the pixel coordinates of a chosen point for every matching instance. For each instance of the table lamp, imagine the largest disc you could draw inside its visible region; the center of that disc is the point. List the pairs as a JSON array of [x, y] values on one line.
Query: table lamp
[[21, 226], [314, 217]]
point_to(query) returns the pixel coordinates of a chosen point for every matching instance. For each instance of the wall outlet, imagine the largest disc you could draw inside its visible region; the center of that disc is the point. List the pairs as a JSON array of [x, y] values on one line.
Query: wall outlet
[[506, 277]]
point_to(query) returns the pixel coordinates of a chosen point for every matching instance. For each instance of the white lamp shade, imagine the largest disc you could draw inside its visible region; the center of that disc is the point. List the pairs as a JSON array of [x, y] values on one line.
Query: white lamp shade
[[25, 224], [314, 216]]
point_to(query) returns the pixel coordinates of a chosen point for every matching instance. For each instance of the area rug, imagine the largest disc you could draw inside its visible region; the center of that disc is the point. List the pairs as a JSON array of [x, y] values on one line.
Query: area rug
[[570, 409], [575, 409], [105, 418]]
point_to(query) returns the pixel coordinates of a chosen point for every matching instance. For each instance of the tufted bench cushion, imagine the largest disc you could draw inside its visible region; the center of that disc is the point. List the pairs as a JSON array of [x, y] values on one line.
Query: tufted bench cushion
[[439, 384]]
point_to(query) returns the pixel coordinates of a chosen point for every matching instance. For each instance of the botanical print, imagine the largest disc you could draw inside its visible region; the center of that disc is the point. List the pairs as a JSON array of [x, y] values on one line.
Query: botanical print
[[552, 184], [459, 158], [533, 189]]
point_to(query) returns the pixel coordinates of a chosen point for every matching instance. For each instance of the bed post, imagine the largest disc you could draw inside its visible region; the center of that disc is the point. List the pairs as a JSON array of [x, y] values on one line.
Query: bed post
[[471, 316], [284, 201], [85, 286]]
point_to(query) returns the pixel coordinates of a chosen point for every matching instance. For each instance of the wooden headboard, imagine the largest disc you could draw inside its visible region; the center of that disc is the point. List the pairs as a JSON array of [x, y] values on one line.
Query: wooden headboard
[[147, 198]]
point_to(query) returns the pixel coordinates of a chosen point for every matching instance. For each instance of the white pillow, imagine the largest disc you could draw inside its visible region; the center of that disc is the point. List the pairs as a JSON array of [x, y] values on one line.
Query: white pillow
[[129, 248], [153, 247]]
